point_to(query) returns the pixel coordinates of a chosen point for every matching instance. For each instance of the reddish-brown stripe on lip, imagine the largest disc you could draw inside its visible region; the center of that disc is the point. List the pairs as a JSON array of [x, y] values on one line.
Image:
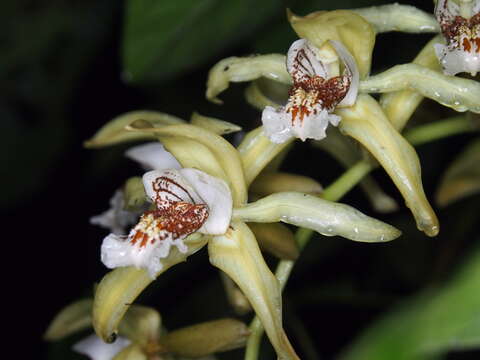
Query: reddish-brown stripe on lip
[[477, 43]]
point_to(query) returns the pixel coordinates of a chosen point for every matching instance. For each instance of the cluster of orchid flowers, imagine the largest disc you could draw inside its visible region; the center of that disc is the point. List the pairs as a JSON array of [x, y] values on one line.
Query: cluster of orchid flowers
[[197, 186]]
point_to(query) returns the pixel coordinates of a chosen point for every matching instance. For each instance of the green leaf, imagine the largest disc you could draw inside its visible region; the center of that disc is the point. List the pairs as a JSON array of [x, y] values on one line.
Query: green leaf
[[207, 338], [163, 38], [428, 324]]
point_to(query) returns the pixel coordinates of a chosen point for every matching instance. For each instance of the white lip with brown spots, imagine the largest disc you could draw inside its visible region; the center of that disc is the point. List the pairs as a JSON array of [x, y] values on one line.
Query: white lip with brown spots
[[462, 34], [185, 201], [314, 95]]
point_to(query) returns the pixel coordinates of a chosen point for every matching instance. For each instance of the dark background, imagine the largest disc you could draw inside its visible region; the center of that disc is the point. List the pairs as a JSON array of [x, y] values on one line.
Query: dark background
[[60, 80]]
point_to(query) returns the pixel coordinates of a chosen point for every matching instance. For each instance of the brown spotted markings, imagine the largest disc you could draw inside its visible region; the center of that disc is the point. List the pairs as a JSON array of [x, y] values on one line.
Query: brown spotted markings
[[311, 93]]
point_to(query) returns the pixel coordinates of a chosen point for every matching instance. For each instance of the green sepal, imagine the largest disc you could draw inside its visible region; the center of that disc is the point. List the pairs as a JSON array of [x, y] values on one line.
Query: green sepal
[[206, 338], [224, 154], [367, 123], [462, 177], [237, 254], [277, 239], [114, 131], [326, 217], [214, 125]]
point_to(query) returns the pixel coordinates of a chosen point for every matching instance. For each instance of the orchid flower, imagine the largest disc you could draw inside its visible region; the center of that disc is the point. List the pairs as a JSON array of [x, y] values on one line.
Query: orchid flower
[[460, 25], [364, 118], [186, 201], [315, 94], [206, 203]]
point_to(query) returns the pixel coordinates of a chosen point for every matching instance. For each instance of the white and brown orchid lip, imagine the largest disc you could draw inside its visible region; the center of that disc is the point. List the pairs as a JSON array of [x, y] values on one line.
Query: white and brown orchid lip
[[185, 201], [462, 35], [314, 95]]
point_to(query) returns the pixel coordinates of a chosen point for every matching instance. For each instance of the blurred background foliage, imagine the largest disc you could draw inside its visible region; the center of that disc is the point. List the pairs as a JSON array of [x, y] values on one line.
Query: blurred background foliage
[[67, 67]]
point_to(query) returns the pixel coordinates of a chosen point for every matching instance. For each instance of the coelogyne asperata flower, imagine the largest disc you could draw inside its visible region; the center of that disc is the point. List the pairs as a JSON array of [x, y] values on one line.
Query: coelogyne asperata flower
[[460, 25], [186, 201], [317, 90]]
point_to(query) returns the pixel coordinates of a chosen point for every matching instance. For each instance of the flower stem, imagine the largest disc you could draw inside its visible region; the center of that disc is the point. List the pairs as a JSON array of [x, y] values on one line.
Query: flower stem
[[416, 136], [439, 129]]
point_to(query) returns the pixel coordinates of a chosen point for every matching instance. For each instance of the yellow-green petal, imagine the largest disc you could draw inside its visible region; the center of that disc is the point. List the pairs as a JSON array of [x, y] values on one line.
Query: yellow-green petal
[[277, 239], [141, 325], [347, 152], [352, 30], [396, 17], [120, 287], [272, 182], [114, 131], [265, 92], [462, 177], [256, 151], [206, 338], [237, 253], [400, 105], [457, 93], [192, 154], [225, 154], [367, 123], [131, 352], [256, 98], [326, 217], [73, 318], [240, 69], [217, 126], [235, 296]]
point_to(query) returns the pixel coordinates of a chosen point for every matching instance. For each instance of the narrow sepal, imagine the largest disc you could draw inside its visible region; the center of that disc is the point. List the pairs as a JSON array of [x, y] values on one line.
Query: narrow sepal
[[241, 69], [272, 182], [367, 123], [238, 254], [73, 318], [120, 287], [114, 131], [257, 151], [454, 92], [326, 217], [277, 239], [214, 125], [462, 177]]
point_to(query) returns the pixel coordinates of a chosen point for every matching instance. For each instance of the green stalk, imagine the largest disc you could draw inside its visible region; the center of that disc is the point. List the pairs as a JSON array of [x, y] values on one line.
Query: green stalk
[[439, 129]]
